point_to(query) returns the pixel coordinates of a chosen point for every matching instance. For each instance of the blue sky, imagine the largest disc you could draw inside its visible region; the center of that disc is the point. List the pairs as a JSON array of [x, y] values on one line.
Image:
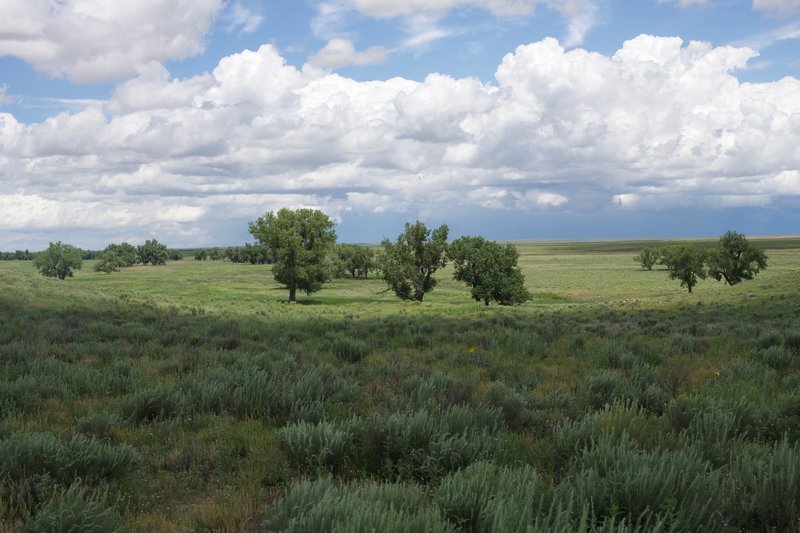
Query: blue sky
[[513, 119]]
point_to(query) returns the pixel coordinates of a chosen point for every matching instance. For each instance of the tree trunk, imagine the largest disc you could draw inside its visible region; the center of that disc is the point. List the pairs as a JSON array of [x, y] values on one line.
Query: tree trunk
[[292, 293]]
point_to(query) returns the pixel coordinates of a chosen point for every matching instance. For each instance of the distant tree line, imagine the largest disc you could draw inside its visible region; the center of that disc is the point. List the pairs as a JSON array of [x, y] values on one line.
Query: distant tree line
[[733, 260], [255, 254], [17, 255]]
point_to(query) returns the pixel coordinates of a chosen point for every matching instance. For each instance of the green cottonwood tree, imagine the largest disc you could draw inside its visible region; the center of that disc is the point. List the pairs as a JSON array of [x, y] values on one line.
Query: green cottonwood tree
[[302, 242], [354, 259], [153, 252], [735, 259], [649, 257], [685, 263], [409, 263], [59, 260], [490, 269]]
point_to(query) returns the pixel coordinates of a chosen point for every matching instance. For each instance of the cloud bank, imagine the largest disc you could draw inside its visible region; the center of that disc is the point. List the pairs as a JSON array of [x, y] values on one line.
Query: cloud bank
[[659, 124]]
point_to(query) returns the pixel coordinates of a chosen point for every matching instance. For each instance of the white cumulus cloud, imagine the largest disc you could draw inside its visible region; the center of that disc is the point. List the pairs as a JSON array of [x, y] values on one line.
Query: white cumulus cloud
[[97, 40], [341, 52]]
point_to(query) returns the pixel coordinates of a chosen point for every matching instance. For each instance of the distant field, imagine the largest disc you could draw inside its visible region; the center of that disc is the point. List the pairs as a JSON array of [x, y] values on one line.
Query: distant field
[[190, 397]]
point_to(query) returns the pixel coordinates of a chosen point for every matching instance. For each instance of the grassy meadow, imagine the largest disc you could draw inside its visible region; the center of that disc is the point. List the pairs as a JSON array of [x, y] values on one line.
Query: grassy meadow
[[189, 397]]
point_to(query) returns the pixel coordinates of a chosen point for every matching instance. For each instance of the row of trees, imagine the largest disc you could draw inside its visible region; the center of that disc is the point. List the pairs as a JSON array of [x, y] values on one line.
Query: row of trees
[[123, 255], [255, 254], [303, 243], [17, 255], [733, 260], [61, 260]]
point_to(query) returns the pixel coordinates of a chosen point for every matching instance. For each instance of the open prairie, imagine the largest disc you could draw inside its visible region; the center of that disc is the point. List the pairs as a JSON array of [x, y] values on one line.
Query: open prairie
[[190, 397]]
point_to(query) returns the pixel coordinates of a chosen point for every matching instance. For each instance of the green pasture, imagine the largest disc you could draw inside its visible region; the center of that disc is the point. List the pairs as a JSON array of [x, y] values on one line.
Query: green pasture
[[191, 397], [556, 273]]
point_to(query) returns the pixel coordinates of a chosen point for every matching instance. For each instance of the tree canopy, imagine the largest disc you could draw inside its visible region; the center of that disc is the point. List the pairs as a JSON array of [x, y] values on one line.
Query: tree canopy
[[409, 263], [153, 252], [490, 269], [354, 259], [302, 242], [685, 263], [116, 256], [59, 260], [649, 257], [735, 259]]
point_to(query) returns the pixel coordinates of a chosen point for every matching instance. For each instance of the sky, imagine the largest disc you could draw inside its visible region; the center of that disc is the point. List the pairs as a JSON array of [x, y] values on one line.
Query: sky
[[183, 120]]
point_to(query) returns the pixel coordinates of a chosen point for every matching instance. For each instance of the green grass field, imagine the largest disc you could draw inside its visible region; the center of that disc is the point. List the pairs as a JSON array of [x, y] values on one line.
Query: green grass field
[[191, 397]]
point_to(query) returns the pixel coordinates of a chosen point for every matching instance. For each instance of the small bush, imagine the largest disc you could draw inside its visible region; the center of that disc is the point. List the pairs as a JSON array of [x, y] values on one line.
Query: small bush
[[321, 505], [769, 339], [157, 403], [349, 350], [311, 447], [777, 357], [721, 426], [474, 498], [617, 356], [791, 340], [436, 390], [769, 494], [24, 454], [570, 438], [605, 387], [428, 444], [514, 406], [97, 425], [632, 483], [683, 344], [75, 509]]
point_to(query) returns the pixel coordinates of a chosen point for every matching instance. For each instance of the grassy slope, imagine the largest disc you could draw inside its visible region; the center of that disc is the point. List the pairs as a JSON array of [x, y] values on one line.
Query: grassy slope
[[191, 321]]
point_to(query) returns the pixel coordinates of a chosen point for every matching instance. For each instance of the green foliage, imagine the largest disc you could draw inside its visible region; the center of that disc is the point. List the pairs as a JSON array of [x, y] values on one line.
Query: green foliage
[[409, 263], [769, 498], [321, 505], [490, 269], [321, 446], [621, 479], [153, 252], [156, 403], [604, 387], [437, 390], [349, 349], [76, 508], [97, 425], [255, 254], [426, 444], [513, 405], [116, 256], [24, 454], [484, 495], [778, 357], [735, 259], [354, 259], [201, 255], [302, 242], [649, 257], [791, 340], [686, 264], [174, 255], [59, 260]]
